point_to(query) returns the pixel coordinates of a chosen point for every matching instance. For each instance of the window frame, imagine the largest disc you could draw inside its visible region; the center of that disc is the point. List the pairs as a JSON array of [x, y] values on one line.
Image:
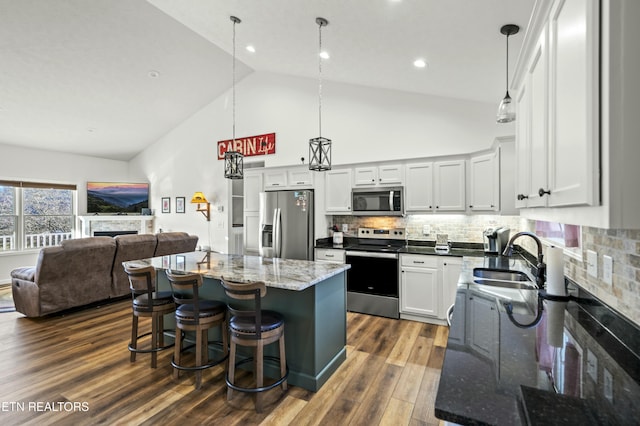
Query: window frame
[[18, 213]]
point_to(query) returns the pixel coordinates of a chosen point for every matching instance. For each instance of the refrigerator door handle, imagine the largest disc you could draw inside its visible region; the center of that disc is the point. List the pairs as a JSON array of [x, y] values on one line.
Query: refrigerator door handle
[[277, 233]]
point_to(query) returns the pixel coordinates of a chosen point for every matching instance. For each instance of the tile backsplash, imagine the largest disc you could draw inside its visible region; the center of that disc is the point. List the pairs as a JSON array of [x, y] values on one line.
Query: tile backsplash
[[460, 228], [623, 245]]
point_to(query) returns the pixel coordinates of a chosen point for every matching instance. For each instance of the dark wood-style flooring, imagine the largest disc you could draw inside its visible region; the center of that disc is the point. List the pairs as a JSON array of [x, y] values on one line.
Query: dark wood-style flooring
[[74, 369]]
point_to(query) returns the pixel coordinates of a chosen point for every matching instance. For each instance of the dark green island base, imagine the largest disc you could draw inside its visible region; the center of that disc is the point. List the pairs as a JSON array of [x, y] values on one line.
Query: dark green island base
[[315, 316]]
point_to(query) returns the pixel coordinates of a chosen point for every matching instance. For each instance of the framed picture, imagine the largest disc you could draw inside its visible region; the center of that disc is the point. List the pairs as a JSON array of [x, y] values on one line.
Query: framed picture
[[166, 204], [179, 204]]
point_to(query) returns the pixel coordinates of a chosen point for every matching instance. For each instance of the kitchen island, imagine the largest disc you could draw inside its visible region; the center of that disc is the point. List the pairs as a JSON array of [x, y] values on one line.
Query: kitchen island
[[311, 296]]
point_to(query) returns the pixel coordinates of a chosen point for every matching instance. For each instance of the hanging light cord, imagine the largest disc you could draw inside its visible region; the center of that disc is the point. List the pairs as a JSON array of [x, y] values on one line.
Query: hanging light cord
[[320, 79], [233, 89], [507, 82]]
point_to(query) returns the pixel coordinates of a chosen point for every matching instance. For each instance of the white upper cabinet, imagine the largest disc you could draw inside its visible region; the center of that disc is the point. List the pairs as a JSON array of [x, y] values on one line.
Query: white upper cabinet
[[390, 174], [275, 179], [419, 187], [557, 142], [574, 103], [338, 191], [302, 177], [449, 185], [484, 182]]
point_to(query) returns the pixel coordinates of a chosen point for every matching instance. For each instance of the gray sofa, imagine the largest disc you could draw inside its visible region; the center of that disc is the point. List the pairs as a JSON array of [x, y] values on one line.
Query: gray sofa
[[87, 270]]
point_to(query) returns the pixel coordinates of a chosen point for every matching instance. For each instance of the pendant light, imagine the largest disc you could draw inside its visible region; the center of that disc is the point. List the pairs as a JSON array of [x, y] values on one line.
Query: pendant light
[[320, 148], [507, 110], [233, 160]]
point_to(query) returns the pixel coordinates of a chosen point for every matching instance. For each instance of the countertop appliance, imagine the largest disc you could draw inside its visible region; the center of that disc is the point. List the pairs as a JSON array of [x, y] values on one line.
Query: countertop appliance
[[286, 224], [372, 280], [377, 201], [495, 239]]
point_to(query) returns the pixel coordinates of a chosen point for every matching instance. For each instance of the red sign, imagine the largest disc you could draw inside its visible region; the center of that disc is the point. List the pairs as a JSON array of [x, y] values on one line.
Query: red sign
[[249, 146]]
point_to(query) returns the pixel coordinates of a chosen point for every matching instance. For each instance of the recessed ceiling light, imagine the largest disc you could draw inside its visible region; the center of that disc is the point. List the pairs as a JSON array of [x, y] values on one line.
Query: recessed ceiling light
[[250, 48], [324, 54], [153, 74], [419, 63]]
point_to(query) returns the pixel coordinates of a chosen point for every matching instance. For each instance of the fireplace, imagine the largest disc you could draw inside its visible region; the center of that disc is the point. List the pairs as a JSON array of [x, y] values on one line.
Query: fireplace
[[112, 233]]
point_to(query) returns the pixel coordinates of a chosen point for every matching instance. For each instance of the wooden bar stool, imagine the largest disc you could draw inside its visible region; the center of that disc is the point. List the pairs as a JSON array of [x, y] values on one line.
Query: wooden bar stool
[[254, 328], [198, 315], [148, 303]]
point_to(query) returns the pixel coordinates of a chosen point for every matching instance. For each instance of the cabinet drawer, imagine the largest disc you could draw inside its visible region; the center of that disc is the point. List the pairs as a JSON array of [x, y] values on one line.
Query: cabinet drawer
[[330, 255], [419, 261]]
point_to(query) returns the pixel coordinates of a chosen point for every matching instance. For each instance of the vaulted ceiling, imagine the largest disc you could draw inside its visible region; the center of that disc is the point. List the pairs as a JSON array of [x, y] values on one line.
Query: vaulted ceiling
[[107, 78]]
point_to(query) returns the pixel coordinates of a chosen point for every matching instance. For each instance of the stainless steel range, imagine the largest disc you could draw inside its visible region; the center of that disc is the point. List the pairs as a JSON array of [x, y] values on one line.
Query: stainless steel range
[[372, 281]]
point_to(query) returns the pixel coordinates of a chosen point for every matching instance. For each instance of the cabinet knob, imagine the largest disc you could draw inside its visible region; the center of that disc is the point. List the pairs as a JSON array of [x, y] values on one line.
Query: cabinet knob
[[522, 197], [437, 207], [430, 207], [541, 192], [492, 206], [472, 207]]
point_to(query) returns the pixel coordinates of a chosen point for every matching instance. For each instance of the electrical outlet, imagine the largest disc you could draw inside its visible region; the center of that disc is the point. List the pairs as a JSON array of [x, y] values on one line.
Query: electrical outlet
[[426, 229], [592, 263], [345, 227], [607, 269]]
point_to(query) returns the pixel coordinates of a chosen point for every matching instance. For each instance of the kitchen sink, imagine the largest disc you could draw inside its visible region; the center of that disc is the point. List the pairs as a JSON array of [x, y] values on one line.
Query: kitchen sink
[[504, 278]]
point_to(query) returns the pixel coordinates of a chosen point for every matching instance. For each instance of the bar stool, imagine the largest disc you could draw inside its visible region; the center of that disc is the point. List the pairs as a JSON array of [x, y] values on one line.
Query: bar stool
[[148, 303], [254, 328], [199, 315]]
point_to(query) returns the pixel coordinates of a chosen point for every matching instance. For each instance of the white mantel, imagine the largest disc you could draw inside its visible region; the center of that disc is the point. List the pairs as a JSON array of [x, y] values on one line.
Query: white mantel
[[142, 224]]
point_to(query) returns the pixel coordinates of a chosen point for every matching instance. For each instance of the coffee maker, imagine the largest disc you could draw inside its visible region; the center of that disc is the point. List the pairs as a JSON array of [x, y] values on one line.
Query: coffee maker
[[495, 239]]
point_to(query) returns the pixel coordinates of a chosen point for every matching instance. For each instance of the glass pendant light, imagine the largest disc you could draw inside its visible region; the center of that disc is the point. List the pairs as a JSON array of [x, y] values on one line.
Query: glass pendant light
[[320, 148], [507, 110], [233, 160]]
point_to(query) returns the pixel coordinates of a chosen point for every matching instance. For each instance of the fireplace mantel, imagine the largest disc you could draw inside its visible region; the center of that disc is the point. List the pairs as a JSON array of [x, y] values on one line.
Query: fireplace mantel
[[142, 224]]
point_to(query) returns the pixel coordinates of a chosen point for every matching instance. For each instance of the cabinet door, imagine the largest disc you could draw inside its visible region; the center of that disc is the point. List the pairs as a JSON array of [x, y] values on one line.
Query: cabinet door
[[390, 174], [419, 187], [573, 138], [484, 182], [300, 178], [275, 179], [251, 229], [252, 189], [338, 191], [451, 268], [523, 140], [449, 185], [483, 326], [538, 92], [419, 291], [365, 176]]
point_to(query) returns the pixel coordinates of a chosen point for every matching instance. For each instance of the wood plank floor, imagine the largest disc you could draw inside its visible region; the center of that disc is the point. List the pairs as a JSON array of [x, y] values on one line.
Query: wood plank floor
[[74, 369]]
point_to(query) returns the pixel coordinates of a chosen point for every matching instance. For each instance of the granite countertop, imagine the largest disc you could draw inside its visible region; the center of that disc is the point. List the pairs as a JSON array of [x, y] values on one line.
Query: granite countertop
[[413, 247], [286, 274], [577, 363]]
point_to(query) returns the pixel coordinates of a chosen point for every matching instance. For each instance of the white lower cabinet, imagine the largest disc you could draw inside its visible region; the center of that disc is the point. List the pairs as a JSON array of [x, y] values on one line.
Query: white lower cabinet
[[251, 229], [427, 286]]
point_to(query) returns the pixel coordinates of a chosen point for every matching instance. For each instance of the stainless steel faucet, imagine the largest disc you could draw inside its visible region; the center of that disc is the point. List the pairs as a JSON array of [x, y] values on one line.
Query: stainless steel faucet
[[541, 266]]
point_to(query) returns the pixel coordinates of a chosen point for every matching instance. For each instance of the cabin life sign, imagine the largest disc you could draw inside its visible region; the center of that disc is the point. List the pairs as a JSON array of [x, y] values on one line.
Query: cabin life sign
[[249, 145]]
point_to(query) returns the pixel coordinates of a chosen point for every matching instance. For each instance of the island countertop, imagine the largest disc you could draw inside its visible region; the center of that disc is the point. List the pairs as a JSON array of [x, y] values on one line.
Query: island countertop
[[287, 274]]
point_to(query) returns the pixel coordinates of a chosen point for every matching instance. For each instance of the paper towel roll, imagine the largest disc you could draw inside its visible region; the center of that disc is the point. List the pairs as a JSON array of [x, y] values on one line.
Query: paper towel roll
[[555, 322], [555, 271]]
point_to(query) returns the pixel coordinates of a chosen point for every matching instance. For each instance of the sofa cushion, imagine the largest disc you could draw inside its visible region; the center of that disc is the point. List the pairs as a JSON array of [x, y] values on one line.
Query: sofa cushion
[[175, 242]]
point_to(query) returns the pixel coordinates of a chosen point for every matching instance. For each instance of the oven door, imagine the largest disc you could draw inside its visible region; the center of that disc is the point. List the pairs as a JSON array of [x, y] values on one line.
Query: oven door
[[373, 273]]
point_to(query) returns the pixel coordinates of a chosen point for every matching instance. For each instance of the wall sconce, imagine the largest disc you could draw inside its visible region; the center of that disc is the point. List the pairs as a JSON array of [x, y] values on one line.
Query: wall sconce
[[199, 198]]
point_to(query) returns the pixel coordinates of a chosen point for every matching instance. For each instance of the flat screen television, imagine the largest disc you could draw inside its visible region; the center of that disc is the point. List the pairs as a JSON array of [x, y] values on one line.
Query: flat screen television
[[117, 197]]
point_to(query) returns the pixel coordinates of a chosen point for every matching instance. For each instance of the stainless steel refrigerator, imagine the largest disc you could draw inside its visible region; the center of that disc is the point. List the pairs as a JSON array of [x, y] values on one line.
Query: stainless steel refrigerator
[[286, 224]]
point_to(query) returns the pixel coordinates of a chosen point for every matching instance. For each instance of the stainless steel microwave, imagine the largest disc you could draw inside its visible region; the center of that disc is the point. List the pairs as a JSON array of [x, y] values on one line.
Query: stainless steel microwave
[[378, 201]]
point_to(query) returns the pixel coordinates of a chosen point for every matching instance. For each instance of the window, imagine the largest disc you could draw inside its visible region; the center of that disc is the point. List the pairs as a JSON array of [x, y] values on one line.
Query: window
[[34, 215], [569, 237]]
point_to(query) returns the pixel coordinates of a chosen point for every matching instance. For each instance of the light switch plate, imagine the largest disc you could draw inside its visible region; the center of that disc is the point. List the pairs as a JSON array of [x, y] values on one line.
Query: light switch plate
[[426, 229], [608, 385], [345, 227], [592, 263], [607, 269]]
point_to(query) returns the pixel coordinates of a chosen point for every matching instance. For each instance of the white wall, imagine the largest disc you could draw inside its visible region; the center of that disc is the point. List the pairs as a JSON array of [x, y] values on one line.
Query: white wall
[[49, 166], [365, 124]]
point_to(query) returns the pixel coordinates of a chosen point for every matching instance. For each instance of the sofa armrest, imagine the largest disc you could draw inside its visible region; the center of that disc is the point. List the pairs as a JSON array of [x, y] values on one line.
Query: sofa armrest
[[26, 273]]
